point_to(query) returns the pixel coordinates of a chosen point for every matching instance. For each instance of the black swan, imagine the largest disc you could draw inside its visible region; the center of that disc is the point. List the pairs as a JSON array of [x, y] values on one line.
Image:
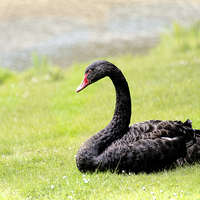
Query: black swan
[[142, 147]]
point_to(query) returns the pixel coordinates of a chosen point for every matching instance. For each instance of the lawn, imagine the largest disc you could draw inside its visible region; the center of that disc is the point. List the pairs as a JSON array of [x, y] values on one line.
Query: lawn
[[44, 122]]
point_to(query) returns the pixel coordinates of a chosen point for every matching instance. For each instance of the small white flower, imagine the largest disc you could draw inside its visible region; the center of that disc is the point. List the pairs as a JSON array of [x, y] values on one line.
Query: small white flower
[[64, 177], [83, 175], [86, 180], [52, 186], [143, 188], [161, 191], [152, 193], [175, 195], [3, 156], [70, 197], [154, 198], [70, 148]]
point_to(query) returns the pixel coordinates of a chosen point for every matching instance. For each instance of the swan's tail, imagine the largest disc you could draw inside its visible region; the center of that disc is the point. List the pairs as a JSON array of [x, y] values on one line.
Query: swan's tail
[[188, 123], [194, 134], [193, 149]]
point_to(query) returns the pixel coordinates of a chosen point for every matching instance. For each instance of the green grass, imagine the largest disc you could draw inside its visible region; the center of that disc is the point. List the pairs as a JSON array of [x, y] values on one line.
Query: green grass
[[44, 122]]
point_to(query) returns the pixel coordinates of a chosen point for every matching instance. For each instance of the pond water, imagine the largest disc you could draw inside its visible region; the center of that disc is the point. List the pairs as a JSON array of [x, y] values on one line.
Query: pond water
[[128, 28]]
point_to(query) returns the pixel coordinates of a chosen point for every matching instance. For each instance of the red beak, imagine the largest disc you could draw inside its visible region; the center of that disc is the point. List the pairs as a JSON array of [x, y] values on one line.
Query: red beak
[[84, 83]]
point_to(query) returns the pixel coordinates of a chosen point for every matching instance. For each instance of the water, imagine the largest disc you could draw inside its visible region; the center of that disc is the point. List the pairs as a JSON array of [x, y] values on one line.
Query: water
[[128, 28]]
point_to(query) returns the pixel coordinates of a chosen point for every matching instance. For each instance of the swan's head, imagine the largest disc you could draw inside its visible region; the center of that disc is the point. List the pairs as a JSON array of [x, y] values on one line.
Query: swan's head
[[94, 72]]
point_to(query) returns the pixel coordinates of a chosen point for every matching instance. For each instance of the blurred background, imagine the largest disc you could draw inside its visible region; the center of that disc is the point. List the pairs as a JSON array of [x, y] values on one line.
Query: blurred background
[[72, 31]]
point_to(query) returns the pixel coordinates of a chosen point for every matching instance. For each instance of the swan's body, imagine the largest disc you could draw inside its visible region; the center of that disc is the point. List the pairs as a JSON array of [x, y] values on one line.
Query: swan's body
[[143, 147]]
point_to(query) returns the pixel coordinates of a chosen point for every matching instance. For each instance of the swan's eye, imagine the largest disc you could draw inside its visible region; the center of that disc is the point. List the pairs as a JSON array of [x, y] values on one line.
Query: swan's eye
[[90, 71]]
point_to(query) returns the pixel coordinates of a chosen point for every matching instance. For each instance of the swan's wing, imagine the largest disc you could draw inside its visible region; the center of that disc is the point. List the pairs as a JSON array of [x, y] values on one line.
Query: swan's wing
[[149, 146], [153, 129], [142, 155]]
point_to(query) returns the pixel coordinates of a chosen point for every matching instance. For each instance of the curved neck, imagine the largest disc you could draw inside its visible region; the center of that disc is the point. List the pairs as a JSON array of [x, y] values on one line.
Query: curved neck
[[122, 113], [120, 122]]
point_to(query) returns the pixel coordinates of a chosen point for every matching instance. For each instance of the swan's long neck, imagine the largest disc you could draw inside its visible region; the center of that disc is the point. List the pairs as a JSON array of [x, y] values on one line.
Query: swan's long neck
[[122, 114], [95, 145]]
